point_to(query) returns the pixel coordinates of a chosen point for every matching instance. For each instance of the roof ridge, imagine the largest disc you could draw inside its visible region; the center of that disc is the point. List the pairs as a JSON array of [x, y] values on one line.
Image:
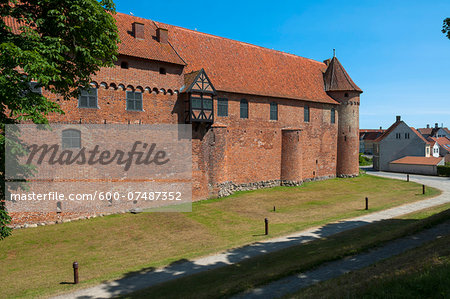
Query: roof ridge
[[240, 42]]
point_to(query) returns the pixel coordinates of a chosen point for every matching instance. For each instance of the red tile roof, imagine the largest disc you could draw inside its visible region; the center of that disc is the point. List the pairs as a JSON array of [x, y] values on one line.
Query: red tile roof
[[337, 79], [147, 48], [443, 142], [425, 131], [369, 135], [418, 160], [239, 67]]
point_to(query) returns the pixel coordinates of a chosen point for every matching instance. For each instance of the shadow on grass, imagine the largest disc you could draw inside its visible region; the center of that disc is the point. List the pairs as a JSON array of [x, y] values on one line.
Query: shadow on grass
[[148, 277]]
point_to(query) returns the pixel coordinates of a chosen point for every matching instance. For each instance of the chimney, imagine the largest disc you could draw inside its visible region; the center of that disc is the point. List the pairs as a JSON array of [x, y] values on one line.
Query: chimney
[[162, 35], [436, 125], [398, 118], [138, 30], [381, 128], [428, 126]]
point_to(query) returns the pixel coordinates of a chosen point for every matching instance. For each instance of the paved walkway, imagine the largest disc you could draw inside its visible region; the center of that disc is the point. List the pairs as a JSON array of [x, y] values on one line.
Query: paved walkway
[[146, 279]]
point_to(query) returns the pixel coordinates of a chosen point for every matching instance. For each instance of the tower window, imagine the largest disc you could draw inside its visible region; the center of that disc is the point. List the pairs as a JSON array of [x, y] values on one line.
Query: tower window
[[333, 115], [124, 64], [162, 71]]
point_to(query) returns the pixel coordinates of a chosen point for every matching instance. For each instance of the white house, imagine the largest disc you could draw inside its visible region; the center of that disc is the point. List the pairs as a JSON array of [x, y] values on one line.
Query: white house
[[399, 141]]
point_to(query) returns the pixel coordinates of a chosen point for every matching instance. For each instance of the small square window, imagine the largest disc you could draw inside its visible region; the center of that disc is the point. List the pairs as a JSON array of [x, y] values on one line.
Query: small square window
[[71, 138], [88, 98], [134, 101]]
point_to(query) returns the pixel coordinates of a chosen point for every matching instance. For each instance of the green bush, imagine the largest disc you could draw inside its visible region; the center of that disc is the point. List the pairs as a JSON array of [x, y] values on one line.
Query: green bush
[[363, 161], [443, 170]]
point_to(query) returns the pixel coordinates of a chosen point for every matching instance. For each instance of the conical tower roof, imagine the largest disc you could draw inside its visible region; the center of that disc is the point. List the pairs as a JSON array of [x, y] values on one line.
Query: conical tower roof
[[337, 79]]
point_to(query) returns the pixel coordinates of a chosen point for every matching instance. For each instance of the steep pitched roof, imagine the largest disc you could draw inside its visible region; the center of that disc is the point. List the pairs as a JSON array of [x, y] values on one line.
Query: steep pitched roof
[[418, 160], [388, 131], [337, 79], [238, 67], [395, 125], [419, 135]]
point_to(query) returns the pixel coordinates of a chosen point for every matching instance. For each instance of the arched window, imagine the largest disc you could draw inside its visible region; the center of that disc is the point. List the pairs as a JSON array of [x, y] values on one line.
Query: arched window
[[244, 108], [306, 114], [71, 138]]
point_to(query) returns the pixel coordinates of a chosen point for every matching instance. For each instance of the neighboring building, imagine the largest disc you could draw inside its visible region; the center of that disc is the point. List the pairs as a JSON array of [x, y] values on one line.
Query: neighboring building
[[399, 140], [418, 165], [434, 148], [443, 144], [434, 132], [259, 117], [367, 138]]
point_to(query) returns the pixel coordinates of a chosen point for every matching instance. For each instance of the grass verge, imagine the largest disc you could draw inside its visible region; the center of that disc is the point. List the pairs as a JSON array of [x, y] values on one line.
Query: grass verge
[[261, 270], [38, 261], [422, 272]]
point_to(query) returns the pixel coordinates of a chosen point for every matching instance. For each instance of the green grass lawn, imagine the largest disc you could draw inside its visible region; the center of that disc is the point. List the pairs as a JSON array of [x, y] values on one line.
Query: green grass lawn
[[423, 272], [37, 261], [233, 279]]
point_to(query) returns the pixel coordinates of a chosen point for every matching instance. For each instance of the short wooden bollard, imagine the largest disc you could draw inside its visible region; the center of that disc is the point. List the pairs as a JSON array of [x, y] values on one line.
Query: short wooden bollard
[[367, 203], [266, 226], [407, 177], [75, 273], [274, 209], [423, 189]]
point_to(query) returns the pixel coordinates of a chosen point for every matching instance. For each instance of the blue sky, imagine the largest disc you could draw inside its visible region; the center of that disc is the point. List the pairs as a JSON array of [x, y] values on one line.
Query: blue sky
[[393, 50]]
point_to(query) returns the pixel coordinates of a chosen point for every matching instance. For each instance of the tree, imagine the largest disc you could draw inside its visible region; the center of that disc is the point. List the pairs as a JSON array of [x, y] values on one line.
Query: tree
[[57, 43], [446, 27]]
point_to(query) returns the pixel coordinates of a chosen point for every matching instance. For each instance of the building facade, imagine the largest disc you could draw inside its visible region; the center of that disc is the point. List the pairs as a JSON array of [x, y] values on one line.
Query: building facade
[[399, 141], [259, 117]]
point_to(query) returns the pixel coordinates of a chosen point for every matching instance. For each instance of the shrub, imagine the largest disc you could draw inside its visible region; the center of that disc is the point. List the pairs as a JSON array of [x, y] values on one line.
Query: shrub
[[443, 170]]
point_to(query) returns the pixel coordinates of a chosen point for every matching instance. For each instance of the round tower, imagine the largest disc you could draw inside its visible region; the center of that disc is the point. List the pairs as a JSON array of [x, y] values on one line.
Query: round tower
[[341, 88]]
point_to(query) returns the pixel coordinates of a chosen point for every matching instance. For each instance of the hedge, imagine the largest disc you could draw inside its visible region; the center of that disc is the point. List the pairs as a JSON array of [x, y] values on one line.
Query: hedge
[[443, 170]]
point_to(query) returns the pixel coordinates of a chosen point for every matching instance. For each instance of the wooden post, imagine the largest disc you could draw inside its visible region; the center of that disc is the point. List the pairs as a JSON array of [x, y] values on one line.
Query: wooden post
[[367, 203], [266, 226], [407, 177], [423, 189], [75, 273]]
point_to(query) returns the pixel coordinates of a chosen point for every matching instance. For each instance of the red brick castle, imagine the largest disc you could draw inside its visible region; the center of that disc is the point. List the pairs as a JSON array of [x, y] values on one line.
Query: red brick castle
[[259, 117]]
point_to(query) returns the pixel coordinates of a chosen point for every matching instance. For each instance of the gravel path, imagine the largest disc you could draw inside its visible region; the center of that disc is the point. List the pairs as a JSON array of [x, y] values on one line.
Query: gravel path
[[149, 278]]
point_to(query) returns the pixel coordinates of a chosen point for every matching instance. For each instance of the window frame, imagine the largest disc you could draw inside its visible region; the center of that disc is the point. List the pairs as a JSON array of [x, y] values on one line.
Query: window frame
[[272, 111], [134, 101], [306, 114], [222, 107], [89, 96], [243, 104]]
